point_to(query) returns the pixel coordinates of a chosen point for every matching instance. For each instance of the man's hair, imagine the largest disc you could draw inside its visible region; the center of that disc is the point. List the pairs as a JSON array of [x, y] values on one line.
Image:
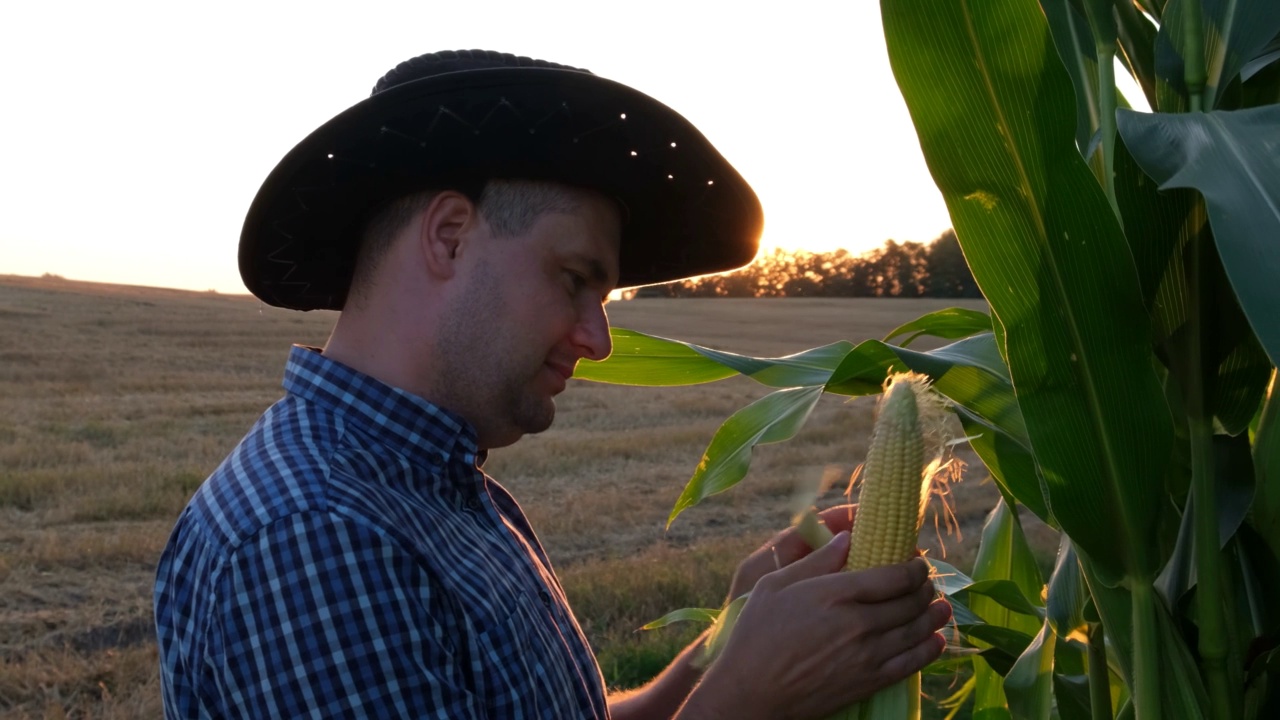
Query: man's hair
[[510, 207]]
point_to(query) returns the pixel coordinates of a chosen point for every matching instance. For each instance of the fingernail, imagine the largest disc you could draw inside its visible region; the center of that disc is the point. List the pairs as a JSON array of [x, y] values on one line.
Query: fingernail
[[944, 614]]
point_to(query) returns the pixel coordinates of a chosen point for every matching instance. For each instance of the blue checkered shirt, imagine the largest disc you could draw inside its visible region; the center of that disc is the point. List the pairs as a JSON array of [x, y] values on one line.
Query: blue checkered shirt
[[349, 559]]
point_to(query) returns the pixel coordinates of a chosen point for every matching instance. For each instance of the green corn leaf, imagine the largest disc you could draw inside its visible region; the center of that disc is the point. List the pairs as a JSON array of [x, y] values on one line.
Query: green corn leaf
[[701, 615], [1003, 554], [1010, 463], [1074, 40], [1262, 696], [1114, 608], [1233, 159], [1233, 485], [640, 359], [811, 367], [947, 578], [949, 324], [998, 663], [1176, 577], [948, 665], [972, 375], [1241, 376], [997, 133], [1266, 468], [1257, 569], [961, 615], [1136, 44], [1266, 57], [1071, 697], [1235, 33], [1159, 224], [1181, 689], [1183, 694], [1029, 684], [1069, 656], [864, 370], [1234, 490], [951, 582], [721, 630], [1007, 640], [1154, 8], [1067, 592], [969, 372], [773, 418], [1007, 594]]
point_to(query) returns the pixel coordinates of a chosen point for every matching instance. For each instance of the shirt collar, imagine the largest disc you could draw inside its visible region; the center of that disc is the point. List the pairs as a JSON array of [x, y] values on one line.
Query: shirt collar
[[406, 423]]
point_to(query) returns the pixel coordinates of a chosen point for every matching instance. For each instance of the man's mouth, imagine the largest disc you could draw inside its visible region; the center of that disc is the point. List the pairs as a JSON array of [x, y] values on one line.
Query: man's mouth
[[565, 370], [562, 372]]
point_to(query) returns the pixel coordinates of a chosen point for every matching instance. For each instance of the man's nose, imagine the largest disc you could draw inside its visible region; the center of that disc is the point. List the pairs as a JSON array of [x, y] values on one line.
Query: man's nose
[[592, 334]]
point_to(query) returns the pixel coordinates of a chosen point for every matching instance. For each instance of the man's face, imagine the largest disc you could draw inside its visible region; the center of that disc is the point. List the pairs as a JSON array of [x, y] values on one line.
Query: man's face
[[527, 309]]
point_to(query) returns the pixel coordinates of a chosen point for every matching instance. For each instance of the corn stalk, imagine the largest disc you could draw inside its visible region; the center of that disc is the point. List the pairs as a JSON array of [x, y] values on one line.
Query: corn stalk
[[1119, 389]]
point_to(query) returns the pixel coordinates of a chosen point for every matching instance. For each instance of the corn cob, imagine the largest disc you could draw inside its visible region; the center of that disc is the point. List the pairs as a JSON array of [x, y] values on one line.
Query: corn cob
[[895, 489], [891, 506]]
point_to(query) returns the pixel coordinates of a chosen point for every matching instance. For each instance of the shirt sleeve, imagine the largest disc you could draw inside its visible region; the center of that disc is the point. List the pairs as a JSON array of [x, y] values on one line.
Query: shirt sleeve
[[323, 616]]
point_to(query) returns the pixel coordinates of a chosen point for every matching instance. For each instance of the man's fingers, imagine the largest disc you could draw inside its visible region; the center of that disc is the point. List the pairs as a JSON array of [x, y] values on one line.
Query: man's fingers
[[892, 614], [789, 547], [912, 660], [917, 630], [888, 582], [839, 517], [823, 561]]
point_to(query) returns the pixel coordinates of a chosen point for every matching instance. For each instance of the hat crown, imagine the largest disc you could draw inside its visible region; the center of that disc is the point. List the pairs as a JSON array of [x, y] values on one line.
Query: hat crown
[[450, 61]]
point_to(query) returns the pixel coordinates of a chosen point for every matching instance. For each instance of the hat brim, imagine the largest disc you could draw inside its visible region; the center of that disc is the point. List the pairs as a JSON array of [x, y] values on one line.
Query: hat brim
[[689, 212]]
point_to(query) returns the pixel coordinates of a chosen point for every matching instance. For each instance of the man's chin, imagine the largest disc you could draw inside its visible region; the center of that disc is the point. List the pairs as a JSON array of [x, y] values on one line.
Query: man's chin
[[538, 419]]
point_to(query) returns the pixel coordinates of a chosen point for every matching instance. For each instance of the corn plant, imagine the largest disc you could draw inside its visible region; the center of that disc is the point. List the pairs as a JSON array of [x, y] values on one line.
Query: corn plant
[[1123, 388]]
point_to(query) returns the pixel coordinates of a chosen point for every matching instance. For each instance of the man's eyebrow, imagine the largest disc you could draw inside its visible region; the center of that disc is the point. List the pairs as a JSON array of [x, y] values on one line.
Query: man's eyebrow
[[598, 274], [596, 271]]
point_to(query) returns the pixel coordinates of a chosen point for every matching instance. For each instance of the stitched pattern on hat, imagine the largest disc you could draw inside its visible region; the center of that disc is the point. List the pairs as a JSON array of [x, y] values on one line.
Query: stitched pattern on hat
[[447, 61]]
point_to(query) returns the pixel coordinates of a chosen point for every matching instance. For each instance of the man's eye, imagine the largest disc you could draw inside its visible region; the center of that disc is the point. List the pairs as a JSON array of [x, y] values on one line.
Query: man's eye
[[577, 281]]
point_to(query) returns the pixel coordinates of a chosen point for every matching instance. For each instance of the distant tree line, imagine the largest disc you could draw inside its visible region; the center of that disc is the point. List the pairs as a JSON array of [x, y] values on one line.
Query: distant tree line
[[908, 269]]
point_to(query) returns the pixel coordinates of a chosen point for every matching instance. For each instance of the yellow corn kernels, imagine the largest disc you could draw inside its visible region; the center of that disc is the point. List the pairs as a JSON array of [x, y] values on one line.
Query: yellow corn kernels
[[891, 504]]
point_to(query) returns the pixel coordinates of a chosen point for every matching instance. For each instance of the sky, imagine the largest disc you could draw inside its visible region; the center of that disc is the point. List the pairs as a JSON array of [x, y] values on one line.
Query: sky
[[136, 134]]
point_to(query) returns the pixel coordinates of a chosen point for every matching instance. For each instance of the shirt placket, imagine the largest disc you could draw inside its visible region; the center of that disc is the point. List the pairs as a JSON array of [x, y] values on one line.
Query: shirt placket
[[537, 578]]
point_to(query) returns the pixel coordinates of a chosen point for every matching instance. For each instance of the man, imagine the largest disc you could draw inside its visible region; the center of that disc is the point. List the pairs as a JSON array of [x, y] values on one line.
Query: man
[[350, 558]]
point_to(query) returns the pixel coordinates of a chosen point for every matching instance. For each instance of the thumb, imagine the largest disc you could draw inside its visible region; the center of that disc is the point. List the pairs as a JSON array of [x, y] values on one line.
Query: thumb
[[823, 561]]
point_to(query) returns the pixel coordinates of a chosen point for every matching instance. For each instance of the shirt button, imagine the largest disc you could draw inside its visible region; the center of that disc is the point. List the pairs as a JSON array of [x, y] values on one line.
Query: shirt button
[[473, 504], [546, 598]]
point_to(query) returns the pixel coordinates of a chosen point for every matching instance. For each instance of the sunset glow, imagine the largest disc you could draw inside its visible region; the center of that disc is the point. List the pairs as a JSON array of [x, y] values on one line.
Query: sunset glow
[[139, 132]]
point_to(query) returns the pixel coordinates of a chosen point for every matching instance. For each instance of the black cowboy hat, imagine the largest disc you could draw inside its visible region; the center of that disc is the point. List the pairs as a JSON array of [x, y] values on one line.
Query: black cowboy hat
[[452, 120]]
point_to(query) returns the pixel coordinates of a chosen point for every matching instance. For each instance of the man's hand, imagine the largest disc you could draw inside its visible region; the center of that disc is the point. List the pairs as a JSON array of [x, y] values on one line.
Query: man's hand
[[785, 548], [813, 639]]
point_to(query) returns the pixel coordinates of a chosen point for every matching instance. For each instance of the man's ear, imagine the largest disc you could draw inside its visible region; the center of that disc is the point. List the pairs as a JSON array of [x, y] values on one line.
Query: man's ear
[[445, 229]]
